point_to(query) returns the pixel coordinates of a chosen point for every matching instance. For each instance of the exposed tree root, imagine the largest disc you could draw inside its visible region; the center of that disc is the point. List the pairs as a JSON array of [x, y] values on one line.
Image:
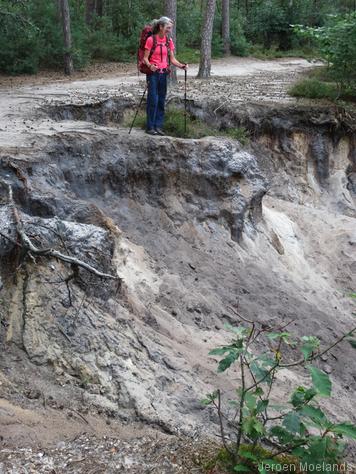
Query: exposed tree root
[[28, 246]]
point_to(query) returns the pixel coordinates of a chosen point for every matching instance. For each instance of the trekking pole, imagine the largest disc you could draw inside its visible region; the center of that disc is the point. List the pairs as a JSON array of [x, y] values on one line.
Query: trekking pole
[[185, 101], [138, 108]]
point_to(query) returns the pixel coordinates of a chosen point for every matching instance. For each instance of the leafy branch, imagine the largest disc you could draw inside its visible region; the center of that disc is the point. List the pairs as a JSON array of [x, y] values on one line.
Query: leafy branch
[[299, 429]]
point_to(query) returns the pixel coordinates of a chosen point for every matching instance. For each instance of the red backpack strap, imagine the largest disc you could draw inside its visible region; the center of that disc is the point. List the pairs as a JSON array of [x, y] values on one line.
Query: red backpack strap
[[154, 46], [168, 39]]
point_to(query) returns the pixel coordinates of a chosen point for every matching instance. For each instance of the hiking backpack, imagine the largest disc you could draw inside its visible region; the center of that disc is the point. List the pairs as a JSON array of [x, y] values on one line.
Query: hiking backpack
[[145, 34]]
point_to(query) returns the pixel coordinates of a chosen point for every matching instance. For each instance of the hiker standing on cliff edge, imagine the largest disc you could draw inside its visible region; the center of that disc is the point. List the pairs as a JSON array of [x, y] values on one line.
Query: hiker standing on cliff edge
[[159, 54]]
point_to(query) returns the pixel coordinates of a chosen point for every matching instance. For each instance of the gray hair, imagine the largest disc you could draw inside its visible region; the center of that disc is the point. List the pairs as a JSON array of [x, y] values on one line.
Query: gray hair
[[163, 21]]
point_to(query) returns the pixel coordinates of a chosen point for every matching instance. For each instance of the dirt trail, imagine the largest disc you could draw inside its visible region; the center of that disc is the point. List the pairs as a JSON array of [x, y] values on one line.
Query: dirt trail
[[233, 80]]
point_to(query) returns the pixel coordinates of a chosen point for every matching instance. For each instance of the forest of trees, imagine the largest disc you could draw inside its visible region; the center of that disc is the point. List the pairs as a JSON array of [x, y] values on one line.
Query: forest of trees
[[52, 33]]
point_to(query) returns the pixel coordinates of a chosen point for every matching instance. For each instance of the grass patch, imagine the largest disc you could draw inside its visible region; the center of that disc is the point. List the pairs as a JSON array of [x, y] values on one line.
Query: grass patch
[[259, 52], [196, 128], [192, 56], [322, 73], [313, 88], [320, 85]]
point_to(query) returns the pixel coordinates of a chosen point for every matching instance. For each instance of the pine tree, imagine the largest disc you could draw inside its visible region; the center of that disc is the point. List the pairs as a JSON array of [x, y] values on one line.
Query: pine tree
[[67, 36], [206, 37], [226, 26]]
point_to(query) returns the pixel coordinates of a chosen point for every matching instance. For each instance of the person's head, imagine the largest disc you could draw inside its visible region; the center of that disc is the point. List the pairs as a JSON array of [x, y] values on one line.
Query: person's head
[[162, 26]]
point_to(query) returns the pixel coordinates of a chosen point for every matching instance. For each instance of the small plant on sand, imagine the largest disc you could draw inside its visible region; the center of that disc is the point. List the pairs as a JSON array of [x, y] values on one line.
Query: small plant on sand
[[313, 88], [269, 436]]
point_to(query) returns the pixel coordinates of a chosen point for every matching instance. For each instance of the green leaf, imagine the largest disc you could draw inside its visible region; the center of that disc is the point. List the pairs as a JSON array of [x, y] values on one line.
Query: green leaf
[[291, 422], [301, 395], [260, 372], [206, 401], [234, 403], [250, 401], [266, 360], [259, 428], [242, 468], [310, 344], [299, 451], [247, 455], [281, 434], [210, 397], [252, 427], [318, 449], [261, 406], [225, 363], [278, 406], [321, 381], [346, 429], [240, 331], [352, 341], [315, 414], [220, 350], [278, 335]]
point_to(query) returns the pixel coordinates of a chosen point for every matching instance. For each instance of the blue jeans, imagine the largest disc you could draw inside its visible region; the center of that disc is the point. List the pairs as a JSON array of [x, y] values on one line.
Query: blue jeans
[[156, 97]]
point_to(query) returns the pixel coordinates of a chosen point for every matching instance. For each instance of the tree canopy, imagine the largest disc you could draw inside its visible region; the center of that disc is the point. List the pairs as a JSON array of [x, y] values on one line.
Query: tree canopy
[[32, 35]]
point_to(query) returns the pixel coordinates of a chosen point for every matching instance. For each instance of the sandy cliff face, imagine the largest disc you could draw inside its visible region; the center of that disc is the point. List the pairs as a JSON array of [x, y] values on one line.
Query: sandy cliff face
[[193, 228]]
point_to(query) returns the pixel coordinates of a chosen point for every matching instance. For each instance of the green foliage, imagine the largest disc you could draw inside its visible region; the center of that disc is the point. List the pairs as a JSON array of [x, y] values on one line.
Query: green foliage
[[210, 398], [236, 133], [314, 89], [267, 22], [240, 46], [310, 345], [19, 39], [189, 55], [321, 381], [260, 52], [301, 396], [300, 430], [196, 128], [346, 429], [337, 45], [320, 86], [31, 33]]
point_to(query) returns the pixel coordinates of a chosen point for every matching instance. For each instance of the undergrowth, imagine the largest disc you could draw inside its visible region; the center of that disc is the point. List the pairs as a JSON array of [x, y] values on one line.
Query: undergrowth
[[174, 125], [259, 435], [319, 85]]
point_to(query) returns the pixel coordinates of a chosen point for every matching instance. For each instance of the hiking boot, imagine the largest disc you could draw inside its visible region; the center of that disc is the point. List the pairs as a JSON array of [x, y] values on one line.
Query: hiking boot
[[151, 132], [159, 131]]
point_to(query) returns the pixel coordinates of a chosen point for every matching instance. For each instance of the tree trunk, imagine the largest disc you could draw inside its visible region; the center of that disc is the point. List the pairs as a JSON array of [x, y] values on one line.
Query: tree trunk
[[99, 7], [206, 37], [67, 36], [89, 11], [171, 11], [226, 26]]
